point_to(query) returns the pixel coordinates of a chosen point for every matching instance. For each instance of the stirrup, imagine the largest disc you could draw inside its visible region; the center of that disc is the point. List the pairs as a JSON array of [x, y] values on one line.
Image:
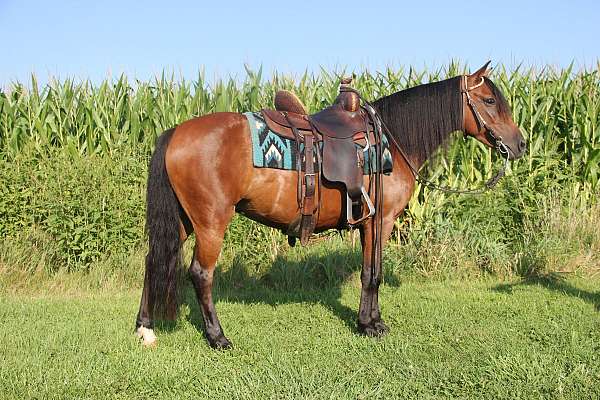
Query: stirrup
[[351, 220]]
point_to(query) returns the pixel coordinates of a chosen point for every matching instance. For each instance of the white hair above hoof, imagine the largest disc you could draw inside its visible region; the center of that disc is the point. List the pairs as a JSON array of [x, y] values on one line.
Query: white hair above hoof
[[147, 336]]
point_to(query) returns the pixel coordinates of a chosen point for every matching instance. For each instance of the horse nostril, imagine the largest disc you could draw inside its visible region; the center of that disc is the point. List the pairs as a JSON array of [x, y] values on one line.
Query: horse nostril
[[522, 145]]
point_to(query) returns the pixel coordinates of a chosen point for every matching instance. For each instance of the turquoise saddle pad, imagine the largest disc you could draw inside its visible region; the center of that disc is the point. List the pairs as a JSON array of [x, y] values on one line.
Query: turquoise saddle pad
[[270, 150]]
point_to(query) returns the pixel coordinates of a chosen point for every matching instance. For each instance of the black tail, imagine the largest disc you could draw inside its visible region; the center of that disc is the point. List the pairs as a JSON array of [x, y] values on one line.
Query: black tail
[[162, 227]]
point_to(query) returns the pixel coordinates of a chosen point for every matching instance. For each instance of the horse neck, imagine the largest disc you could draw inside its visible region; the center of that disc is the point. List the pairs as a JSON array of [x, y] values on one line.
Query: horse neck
[[421, 118]]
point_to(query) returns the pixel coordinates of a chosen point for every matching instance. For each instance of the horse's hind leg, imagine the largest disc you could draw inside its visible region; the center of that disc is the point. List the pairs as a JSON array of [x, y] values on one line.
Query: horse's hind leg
[[144, 324], [206, 253]]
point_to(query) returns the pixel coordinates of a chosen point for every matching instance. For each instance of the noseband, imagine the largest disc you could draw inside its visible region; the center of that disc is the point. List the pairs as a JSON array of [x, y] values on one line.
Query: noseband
[[496, 140]]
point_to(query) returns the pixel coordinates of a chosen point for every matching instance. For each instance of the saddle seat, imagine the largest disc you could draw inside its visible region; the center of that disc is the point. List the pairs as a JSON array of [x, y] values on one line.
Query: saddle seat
[[333, 122], [343, 119]]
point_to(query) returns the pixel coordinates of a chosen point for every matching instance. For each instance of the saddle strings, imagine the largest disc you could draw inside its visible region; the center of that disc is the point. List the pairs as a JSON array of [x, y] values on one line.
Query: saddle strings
[[377, 234]]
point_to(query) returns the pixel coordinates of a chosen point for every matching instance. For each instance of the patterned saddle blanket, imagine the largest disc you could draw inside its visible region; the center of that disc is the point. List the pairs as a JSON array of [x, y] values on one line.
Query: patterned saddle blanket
[[270, 150]]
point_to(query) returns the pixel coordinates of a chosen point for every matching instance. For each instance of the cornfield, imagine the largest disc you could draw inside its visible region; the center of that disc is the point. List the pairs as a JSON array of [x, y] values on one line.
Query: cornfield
[[557, 109]]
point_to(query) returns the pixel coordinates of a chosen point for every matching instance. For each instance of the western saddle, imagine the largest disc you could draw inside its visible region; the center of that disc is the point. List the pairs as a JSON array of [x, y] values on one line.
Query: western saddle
[[336, 130]]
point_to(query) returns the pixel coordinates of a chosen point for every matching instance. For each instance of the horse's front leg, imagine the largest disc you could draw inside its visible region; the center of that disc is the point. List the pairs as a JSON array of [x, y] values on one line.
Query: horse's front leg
[[369, 315]]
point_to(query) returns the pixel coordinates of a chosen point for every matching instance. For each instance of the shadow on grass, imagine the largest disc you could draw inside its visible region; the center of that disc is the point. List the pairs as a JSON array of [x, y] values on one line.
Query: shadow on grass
[[315, 278], [555, 282]]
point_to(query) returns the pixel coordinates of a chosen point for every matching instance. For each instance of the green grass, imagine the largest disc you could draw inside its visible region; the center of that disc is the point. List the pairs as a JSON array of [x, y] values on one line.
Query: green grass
[[452, 339], [468, 317]]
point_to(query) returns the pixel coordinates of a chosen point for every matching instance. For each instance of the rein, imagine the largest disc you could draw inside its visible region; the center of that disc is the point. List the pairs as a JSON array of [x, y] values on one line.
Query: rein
[[495, 140]]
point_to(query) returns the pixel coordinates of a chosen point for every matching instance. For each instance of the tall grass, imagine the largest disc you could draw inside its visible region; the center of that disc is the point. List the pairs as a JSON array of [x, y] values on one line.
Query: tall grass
[[73, 159]]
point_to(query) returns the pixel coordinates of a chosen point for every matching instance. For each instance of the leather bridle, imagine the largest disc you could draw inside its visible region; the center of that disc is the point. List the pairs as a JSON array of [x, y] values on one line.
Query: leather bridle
[[496, 140]]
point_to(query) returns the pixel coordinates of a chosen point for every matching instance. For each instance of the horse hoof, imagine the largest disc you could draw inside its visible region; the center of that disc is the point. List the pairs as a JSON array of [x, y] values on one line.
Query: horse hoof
[[220, 343], [374, 329], [147, 336], [381, 327]]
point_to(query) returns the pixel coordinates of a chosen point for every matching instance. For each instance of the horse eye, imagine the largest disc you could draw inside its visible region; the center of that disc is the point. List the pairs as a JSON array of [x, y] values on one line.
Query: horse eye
[[490, 100]]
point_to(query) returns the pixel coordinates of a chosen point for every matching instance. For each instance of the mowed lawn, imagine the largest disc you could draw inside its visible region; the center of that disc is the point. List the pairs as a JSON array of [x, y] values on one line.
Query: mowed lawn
[[466, 339]]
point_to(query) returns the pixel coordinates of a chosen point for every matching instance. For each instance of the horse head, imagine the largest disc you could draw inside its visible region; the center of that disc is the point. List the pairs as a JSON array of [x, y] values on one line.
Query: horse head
[[487, 116]]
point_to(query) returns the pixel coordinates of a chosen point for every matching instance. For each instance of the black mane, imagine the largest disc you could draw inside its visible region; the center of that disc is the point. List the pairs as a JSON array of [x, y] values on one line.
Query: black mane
[[421, 118]]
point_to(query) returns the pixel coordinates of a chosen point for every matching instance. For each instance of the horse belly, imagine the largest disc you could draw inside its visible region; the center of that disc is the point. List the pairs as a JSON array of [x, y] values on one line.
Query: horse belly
[[272, 200]]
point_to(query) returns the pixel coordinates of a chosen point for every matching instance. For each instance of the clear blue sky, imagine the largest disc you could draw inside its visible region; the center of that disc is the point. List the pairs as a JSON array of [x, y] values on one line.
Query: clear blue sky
[[141, 38]]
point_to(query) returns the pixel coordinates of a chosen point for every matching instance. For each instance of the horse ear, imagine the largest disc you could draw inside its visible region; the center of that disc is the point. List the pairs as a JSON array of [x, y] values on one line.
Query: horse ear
[[483, 71]]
